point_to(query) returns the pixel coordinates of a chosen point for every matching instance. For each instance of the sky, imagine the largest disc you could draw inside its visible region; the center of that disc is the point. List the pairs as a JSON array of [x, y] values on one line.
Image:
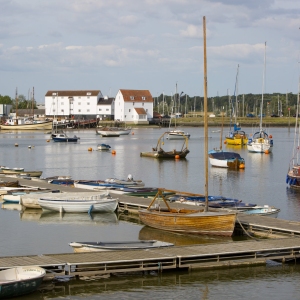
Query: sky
[[149, 44]]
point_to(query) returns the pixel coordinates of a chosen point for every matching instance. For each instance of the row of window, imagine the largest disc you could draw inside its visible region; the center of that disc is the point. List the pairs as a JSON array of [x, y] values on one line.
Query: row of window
[[63, 103], [55, 98], [132, 98]]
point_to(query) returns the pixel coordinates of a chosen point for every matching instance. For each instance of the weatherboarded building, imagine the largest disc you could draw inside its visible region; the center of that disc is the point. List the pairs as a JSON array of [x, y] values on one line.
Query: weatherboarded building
[[134, 106], [72, 103]]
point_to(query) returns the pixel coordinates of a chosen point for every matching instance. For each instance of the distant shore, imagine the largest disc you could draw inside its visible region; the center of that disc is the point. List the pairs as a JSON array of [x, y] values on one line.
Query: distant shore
[[216, 122]]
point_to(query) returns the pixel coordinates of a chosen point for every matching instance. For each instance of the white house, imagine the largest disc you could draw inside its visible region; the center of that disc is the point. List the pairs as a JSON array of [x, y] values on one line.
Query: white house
[[134, 106], [106, 108], [72, 103]]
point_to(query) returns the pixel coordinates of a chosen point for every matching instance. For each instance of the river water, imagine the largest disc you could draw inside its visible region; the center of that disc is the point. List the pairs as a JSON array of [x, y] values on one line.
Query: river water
[[261, 182]]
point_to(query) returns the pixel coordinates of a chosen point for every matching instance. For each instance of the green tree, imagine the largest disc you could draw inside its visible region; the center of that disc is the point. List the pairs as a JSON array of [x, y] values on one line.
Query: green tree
[[5, 100]]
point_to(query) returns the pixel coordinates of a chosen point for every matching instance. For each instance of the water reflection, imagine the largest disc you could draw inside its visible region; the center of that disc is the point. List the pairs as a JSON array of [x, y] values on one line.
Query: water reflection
[[68, 218], [11, 206], [148, 233], [233, 283]]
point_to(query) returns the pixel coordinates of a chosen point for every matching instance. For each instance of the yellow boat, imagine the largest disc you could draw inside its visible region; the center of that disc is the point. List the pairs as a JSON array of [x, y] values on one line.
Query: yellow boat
[[237, 137]]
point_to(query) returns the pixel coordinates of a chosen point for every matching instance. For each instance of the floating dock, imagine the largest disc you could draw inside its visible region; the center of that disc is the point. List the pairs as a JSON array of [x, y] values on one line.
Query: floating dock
[[280, 242]]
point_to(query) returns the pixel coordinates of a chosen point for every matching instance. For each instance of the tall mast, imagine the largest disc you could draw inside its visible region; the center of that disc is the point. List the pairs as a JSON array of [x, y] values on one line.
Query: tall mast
[[263, 86], [33, 102], [16, 103], [205, 118]]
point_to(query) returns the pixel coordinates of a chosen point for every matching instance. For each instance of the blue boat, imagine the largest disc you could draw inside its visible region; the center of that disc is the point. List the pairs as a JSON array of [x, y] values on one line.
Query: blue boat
[[62, 137]]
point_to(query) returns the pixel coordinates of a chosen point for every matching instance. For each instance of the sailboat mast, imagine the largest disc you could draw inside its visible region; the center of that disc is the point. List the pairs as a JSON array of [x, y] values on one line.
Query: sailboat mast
[[16, 104], [205, 119], [236, 93], [263, 86], [33, 103]]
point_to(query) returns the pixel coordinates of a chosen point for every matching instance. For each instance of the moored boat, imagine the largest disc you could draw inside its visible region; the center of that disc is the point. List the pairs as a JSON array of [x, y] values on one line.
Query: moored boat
[[177, 135], [46, 125], [24, 172], [111, 246], [225, 159], [113, 131], [95, 203], [158, 152], [62, 137], [103, 147], [20, 281]]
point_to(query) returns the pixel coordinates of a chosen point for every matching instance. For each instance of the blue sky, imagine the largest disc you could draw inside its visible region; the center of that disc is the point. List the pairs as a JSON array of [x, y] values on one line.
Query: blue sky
[[148, 44]]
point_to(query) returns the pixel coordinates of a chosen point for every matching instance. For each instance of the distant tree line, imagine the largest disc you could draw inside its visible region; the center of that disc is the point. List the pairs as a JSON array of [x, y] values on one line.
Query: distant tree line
[[23, 103], [275, 103]]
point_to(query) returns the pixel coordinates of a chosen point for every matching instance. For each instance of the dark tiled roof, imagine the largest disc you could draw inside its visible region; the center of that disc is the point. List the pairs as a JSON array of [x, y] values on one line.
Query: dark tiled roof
[[140, 111], [73, 93], [137, 94], [103, 101], [27, 111]]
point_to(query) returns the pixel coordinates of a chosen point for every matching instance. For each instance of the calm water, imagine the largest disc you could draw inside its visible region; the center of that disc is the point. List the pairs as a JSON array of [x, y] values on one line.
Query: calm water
[[34, 232]]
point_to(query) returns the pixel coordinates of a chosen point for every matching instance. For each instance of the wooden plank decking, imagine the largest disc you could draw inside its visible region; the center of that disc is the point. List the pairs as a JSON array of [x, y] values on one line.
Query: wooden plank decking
[[196, 256], [181, 257]]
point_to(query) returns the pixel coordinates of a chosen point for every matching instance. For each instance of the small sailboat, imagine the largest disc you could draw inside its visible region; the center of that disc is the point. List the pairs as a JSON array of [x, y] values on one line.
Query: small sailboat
[[176, 134], [236, 136], [206, 221], [261, 141], [225, 159], [293, 174]]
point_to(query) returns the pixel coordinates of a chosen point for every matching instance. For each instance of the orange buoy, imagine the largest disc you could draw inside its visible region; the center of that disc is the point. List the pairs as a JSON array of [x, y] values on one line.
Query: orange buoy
[[225, 142], [90, 149], [270, 136], [266, 151], [113, 152], [177, 156], [48, 141], [242, 166]]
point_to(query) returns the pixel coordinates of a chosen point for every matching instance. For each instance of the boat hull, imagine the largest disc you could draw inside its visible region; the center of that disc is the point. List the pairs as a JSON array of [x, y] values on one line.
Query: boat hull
[[76, 206], [200, 223], [34, 126], [30, 173], [80, 247], [166, 154], [20, 281], [259, 146]]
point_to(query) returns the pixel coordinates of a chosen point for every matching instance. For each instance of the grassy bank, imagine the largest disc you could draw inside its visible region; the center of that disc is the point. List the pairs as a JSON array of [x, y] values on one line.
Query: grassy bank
[[217, 121]]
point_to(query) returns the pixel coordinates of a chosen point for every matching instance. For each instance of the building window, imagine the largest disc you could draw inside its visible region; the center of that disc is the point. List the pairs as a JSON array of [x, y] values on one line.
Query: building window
[[132, 103], [88, 110], [131, 97], [129, 110], [53, 98], [88, 97], [143, 104], [79, 103], [79, 97], [143, 98], [79, 110], [146, 110], [53, 109], [100, 109], [107, 109], [88, 103], [125, 116], [53, 103], [62, 110]]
